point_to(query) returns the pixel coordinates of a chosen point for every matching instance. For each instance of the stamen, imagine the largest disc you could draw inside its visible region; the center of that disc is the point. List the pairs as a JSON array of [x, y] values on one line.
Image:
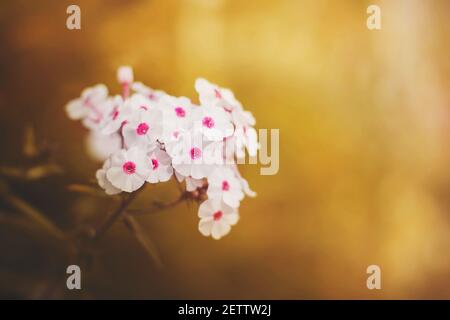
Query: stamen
[[217, 215], [129, 167], [225, 185], [208, 122], [196, 153], [155, 164], [142, 128], [181, 113]]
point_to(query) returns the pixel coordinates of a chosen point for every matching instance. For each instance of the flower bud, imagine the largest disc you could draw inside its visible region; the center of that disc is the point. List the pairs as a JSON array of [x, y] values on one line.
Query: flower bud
[[125, 75]]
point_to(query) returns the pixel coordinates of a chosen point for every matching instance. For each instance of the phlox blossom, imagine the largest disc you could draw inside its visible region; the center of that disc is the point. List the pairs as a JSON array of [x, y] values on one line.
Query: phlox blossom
[[103, 182], [216, 218], [145, 135], [224, 185], [129, 169], [161, 167]]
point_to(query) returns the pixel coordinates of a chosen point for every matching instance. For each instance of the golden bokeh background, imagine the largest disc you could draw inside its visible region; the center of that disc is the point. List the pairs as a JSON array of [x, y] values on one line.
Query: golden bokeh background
[[364, 147]]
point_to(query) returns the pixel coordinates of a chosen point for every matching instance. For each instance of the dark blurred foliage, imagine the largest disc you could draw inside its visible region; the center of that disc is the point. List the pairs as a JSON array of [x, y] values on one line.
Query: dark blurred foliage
[[364, 166]]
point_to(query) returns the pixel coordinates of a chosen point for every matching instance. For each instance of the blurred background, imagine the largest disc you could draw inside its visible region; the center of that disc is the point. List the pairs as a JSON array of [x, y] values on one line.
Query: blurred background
[[364, 148]]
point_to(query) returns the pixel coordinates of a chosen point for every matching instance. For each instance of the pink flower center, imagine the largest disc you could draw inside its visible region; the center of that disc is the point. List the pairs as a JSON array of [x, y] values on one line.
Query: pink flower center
[[180, 112], [175, 134], [208, 122], [155, 164], [144, 108], [217, 215], [142, 128], [196, 153], [129, 167], [225, 185]]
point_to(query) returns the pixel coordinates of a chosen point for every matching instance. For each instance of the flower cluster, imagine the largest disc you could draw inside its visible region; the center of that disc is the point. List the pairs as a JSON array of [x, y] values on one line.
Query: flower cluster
[[148, 136]]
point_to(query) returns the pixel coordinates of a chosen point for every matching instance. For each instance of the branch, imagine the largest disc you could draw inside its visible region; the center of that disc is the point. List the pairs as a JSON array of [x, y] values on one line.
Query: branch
[[118, 213], [158, 207]]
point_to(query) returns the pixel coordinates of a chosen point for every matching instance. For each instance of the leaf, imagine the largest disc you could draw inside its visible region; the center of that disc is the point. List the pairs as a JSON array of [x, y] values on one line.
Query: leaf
[[86, 189], [12, 172], [42, 171], [33, 173], [143, 239], [29, 211]]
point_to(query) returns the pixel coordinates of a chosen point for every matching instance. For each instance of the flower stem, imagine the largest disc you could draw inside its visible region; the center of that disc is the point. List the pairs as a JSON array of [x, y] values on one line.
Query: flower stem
[[160, 206], [117, 214]]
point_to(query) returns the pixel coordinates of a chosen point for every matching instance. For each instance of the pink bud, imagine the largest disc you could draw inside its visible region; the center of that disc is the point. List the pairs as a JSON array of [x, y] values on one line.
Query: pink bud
[[125, 75]]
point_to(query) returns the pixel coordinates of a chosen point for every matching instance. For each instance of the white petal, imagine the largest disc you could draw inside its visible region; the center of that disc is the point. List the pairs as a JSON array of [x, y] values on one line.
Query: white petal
[[76, 110], [220, 229], [153, 177], [231, 199], [101, 177], [136, 182], [205, 226], [206, 209], [179, 176], [247, 189], [165, 173], [214, 192], [117, 177], [252, 142], [100, 146], [199, 171], [231, 218], [183, 169]]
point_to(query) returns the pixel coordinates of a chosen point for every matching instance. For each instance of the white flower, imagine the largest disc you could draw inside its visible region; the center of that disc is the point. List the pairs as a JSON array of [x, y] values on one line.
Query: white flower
[[212, 122], [125, 111], [242, 118], [138, 101], [125, 75], [101, 146], [249, 192], [147, 135], [191, 156], [224, 185], [118, 115], [143, 128], [99, 114], [161, 167], [213, 95], [154, 95], [216, 218], [244, 183], [88, 102], [191, 183], [177, 116], [129, 169], [103, 182]]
